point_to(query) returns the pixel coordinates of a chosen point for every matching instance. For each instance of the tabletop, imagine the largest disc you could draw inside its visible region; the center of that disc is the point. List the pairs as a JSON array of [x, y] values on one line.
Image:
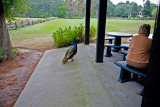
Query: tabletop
[[119, 34]]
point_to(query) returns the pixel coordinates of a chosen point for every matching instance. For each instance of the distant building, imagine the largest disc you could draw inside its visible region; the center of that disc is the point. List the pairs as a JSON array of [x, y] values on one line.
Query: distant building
[[140, 14]]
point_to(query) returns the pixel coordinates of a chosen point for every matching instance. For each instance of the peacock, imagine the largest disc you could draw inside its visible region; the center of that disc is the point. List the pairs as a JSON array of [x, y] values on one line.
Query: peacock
[[70, 53]]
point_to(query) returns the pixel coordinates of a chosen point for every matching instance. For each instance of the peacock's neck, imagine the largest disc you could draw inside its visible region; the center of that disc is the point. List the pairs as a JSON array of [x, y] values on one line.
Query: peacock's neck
[[75, 44]]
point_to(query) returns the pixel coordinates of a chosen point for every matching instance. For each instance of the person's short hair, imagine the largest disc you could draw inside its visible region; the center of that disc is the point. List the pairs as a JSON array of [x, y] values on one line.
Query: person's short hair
[[144, 29]]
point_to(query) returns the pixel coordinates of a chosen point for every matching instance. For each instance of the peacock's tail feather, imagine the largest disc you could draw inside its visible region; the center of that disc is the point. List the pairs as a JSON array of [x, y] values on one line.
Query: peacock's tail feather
[[64, 60]]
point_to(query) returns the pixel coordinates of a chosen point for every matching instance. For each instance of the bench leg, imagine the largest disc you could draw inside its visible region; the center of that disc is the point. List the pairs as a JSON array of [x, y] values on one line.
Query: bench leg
[[124, 57], [125, 48], [110, 41], [108, 52], [124, 76], [141, 93]]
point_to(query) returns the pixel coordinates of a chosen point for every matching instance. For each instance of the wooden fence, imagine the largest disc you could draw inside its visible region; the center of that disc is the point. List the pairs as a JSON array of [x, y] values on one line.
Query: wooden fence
[[26, 22]]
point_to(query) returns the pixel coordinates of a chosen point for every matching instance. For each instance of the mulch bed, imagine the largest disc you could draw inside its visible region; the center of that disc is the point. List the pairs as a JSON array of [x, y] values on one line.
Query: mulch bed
[[14, 75]]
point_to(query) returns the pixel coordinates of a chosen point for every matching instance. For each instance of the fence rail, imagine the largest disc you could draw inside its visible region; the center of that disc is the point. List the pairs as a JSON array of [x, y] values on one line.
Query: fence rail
[[26, 22]]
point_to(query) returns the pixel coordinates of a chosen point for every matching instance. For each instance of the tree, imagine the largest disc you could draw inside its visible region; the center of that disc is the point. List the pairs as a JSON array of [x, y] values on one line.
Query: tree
[[70, 4], [134, 9], [80, 6], [110, 8], [147, 9], [7, 9], [122, 10], [45, 8], [154, 12], [62, 12]]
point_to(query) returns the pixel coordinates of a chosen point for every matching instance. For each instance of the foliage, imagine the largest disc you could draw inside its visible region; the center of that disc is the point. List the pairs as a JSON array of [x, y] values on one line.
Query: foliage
[[2, 53], [76, 8], [110, 8], [92, 32], [62, 12], [154, 12], [147, 9], [45, 29], [73, 18], [65, 37], [14, 8], [16, 51], [134, 10], [40, 21], [121, 10], [79, 32]]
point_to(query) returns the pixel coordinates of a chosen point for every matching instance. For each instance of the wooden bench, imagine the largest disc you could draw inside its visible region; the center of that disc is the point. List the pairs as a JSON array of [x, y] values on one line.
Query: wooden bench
[[124, 54], [108, 52], [126, 70]]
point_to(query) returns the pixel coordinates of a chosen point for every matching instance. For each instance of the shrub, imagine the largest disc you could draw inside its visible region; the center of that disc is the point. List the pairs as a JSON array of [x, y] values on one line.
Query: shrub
[[65, 37], [73, 17], [16, 51], [92, 32], [40, 21], [79, 32], [2, 53]]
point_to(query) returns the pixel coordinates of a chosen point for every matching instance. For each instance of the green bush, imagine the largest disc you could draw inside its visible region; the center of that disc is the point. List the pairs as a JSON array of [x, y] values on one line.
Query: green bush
[[16, 51], [65, 37], [2, 53], [79, 32], [40, 21], [73, 17], [92, 32]]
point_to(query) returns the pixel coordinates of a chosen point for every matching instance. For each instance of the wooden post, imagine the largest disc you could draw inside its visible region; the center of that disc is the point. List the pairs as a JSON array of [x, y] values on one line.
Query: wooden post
[[101, 30], [87, 22], [151, 87]]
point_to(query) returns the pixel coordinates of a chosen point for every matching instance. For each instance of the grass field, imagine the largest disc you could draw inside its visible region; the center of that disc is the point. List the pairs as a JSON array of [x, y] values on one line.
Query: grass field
[[46, 29]]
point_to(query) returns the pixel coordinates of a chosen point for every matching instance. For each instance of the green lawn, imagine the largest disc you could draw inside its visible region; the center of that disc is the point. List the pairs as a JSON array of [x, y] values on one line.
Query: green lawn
[[47, 28]]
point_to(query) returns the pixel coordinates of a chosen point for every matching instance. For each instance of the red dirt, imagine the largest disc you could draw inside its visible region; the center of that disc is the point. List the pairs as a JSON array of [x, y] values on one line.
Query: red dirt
[[14, 75]]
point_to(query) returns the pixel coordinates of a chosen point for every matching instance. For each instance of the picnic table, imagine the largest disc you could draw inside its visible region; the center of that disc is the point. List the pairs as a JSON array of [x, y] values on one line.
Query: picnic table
[[117, 41]]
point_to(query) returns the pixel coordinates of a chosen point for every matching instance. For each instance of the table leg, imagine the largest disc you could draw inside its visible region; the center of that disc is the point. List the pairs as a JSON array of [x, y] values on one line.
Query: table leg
[[117, 42]]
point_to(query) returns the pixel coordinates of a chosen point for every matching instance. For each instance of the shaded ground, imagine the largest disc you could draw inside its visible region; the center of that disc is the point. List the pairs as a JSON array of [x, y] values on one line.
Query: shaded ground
[[15, 73]]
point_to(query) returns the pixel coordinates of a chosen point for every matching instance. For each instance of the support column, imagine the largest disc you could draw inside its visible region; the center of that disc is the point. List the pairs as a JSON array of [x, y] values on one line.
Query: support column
[[101, 30], [151, 87], [87, 22]]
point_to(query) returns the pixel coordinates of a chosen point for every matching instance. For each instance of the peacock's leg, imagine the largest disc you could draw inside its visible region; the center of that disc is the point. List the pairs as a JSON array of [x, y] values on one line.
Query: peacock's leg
[[72, 60]]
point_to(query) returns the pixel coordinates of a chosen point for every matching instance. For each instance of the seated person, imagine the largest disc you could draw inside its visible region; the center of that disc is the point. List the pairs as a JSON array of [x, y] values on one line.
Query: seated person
[[139, 49]]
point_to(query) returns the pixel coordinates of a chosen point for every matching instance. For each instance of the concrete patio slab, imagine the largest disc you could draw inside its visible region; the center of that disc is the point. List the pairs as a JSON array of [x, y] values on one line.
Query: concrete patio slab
[[82, 83]]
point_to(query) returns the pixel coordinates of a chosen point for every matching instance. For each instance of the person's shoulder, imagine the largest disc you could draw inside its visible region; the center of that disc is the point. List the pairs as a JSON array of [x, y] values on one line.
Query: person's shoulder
[[149, 40]]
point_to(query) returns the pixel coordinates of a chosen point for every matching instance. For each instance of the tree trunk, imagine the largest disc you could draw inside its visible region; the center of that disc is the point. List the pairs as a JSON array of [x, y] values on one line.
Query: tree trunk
[[4, 35]]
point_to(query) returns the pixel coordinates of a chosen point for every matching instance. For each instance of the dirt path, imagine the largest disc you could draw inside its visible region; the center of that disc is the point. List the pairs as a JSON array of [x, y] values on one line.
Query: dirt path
[[15, 73]]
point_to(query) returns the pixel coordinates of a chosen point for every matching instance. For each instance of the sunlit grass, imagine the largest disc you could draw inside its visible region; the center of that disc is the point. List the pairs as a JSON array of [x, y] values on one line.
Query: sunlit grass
[[47, 28]]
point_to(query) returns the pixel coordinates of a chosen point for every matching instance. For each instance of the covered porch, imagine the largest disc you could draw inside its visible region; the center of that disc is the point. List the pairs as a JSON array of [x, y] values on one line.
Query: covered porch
[[81, 83]]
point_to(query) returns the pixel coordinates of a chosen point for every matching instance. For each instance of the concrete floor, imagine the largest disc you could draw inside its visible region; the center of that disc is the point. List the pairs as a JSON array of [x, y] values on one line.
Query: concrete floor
[[82, 83]]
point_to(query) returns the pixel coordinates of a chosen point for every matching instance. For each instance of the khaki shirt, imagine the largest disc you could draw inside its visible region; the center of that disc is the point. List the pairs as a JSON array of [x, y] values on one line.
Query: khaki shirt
[[139, 49]]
